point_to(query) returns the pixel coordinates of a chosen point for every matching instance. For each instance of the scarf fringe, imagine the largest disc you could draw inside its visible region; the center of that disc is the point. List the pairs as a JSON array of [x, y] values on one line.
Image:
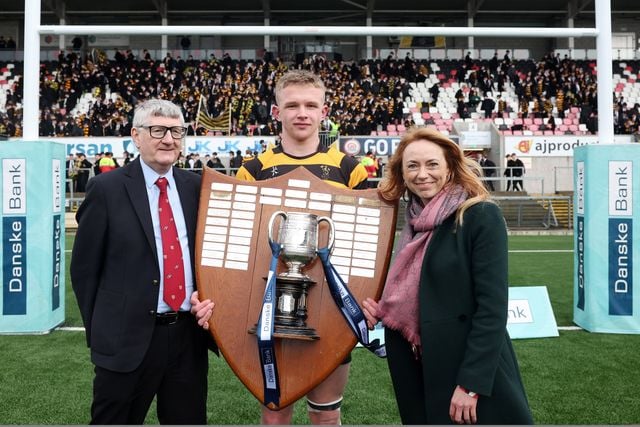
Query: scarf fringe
[[408, 333]]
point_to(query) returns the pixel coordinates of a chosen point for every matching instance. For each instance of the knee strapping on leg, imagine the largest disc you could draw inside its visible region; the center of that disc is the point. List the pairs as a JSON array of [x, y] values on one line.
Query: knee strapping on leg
[[322, 407]]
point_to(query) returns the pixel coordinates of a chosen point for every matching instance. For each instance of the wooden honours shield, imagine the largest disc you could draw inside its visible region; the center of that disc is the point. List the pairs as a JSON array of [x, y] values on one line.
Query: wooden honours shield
[[232, 262]]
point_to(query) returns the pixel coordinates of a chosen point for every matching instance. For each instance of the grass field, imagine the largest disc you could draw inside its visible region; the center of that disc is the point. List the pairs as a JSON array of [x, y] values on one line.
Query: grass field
[[577, 378]]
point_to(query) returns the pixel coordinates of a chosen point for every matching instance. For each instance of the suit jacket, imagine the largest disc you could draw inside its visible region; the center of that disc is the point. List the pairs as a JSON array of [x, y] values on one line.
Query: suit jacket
[[114, 266], [463, 314]]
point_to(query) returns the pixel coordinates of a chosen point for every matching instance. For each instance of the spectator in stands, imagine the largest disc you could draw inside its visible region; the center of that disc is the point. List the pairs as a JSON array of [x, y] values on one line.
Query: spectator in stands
[[107, 163], [370, 164], [216, 164], [488, 104], [376, 89], [493, 64], [76, 42], [517, 172], [506, 59], [235, 162], [197, 164], [474, 100], [508, 172], [551, 124], [468, 61], [488, 170], [434, 90], [96, 163], [83, 168], [181, 162], [444, 305], [11, 43], [71, 172]]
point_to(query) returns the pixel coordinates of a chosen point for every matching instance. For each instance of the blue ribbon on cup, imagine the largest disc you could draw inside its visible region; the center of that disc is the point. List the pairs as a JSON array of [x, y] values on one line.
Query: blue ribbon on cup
[[264, 332], [348, 306]]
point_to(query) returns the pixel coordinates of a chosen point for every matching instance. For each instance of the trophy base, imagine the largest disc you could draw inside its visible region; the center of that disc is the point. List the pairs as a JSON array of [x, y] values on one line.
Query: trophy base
[[291, 332]]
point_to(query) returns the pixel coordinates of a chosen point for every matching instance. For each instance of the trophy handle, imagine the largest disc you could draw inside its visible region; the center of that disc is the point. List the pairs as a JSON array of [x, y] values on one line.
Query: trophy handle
[[283, 214], [332, 231]]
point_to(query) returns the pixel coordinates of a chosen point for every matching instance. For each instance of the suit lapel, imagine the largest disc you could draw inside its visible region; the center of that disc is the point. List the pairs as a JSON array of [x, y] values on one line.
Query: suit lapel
[[137, 192], [189, 204]]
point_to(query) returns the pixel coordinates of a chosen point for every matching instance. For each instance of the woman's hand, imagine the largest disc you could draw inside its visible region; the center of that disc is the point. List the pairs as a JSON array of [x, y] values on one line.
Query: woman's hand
[[463, 407], [370, 309], [201, 309]]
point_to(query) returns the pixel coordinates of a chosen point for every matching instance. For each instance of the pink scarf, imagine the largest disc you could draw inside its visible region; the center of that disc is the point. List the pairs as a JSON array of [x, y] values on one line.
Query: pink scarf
[[398, 307]]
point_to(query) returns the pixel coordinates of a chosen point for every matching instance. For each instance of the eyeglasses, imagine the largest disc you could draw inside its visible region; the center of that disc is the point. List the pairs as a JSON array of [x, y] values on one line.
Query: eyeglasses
[[158, 131]]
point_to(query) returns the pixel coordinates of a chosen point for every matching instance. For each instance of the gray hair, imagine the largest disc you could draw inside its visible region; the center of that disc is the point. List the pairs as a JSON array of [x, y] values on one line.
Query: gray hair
[[156, 108]]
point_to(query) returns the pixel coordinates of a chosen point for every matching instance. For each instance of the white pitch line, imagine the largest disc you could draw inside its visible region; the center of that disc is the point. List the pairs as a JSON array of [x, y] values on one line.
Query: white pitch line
[[70, 328], [525, 251]]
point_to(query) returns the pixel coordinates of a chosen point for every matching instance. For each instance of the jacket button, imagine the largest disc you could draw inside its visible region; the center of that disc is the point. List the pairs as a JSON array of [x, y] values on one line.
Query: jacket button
[[152, 312], [156, 282]]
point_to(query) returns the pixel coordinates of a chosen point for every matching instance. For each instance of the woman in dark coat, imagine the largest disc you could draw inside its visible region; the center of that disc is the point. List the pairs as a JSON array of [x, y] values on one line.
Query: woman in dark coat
[[444, 305]]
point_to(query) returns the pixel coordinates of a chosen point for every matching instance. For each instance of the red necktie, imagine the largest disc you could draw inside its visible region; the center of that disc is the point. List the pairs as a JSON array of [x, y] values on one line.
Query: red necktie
[[174, 291]]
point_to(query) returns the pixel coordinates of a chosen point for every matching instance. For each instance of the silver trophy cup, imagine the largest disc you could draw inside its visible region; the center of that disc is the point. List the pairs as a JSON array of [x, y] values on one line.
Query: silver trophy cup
[[298, 236]]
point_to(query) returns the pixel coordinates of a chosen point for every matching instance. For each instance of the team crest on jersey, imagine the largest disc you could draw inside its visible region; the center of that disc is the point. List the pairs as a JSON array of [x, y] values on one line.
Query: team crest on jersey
[[326, 170]]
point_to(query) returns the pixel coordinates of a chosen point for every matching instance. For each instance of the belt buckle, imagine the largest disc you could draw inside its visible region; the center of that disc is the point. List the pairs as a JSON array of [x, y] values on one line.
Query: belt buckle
[[168, 318], [173, 318]]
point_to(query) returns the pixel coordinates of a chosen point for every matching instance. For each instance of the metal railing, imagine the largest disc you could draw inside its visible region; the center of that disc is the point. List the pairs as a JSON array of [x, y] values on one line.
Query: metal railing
[[528, 211]]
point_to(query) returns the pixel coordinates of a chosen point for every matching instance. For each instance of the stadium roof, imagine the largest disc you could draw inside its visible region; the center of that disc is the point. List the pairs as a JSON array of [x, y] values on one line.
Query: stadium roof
[[325, 12]]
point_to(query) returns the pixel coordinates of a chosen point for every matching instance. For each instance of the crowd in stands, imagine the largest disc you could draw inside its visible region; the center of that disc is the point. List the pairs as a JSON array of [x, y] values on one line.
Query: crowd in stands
[[93, 95], [7, 43]]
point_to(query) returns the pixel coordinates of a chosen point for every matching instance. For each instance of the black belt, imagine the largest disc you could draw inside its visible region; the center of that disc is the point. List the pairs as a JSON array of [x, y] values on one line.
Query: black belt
[[170, 317]]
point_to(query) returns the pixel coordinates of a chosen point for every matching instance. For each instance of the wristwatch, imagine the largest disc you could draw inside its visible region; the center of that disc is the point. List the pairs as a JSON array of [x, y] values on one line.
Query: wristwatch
[[470, 393]]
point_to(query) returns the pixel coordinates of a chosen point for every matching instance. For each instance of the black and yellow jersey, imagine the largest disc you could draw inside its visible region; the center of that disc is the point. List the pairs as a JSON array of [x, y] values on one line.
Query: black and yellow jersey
[[328, 164]]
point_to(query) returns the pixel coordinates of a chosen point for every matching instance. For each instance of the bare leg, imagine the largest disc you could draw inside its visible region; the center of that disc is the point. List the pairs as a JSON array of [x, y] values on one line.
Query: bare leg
[[324, 400], [281, 417]]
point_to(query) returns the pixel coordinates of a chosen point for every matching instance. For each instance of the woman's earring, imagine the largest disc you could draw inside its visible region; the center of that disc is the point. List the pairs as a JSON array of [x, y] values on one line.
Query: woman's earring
[[405, 196]]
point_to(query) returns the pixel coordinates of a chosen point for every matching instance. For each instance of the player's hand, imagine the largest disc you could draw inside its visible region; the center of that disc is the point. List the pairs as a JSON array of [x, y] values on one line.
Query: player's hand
[[201, 309]]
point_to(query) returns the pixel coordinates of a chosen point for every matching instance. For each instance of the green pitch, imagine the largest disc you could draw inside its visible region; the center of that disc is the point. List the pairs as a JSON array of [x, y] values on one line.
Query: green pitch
[[577, 378]]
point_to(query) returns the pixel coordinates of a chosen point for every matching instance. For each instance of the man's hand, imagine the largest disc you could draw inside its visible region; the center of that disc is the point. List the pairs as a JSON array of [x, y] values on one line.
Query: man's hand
[[201, 309]]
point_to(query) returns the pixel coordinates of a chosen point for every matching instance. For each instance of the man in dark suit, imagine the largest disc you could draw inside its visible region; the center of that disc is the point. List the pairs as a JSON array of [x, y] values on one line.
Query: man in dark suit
[[144, 341]]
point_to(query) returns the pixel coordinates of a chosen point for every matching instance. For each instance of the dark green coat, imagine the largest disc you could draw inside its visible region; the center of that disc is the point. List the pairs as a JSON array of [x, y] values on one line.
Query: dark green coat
[[463, 316]]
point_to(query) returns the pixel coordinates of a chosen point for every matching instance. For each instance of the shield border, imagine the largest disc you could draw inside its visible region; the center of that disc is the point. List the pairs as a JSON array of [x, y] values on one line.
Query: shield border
[[237, 293]]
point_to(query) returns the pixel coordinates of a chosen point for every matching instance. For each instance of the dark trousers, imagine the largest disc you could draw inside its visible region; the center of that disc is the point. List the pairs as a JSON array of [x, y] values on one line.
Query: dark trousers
[[174, 369], [406, 376], [517, 184]]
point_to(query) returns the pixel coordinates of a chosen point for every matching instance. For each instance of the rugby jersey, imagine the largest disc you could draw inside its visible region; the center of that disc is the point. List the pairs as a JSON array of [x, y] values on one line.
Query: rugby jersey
[[328, 164]]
